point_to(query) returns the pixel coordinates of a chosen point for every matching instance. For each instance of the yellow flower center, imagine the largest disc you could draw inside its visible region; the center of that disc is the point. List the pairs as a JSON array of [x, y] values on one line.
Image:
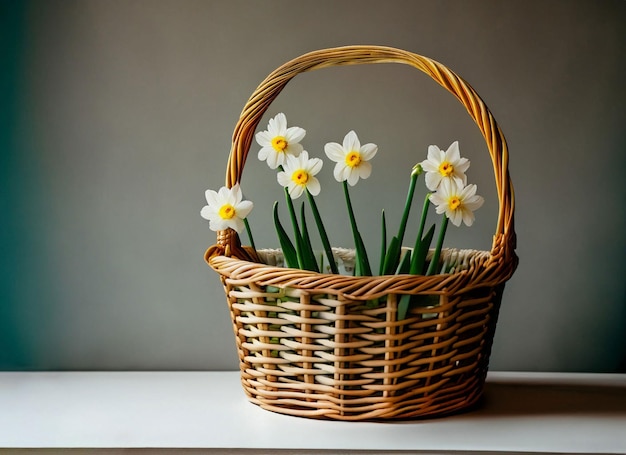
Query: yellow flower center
[[300, 177], [353, 158], [227, 211], [279, 143], [446, 169], [454, 202]]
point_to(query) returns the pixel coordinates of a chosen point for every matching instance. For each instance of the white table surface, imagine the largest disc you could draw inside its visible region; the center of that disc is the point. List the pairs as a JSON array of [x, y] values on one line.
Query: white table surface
[[523, 412]]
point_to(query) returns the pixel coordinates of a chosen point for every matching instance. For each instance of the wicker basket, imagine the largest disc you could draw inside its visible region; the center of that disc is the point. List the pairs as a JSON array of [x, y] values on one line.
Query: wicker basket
[[313, 345]]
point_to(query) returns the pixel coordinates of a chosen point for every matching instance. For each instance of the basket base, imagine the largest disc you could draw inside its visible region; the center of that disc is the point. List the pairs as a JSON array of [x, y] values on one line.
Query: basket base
[[414, 405]]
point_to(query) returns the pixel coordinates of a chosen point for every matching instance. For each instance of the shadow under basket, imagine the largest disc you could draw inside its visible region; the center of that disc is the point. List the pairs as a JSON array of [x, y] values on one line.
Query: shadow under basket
[[335, 346]]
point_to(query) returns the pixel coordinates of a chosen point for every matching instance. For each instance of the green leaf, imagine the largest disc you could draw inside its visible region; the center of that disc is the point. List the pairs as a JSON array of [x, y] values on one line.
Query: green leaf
[[307, 249], [362, 259], [323, 236], [362, 266], [411, 300], [403, 306], [289, 252], [383, 244], [405, 265], [434, 263], [249, 231], [321, 262], [407, 206], [392, 257], [393, 253], [296, 230], [425, 207], [420, 251]]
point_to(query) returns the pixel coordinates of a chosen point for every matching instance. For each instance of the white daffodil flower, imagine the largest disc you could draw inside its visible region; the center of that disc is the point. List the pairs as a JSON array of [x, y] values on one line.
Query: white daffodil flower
[[352, 158], [278, 141], [440, 166], [458, 202], [299, 174], [226, 209]]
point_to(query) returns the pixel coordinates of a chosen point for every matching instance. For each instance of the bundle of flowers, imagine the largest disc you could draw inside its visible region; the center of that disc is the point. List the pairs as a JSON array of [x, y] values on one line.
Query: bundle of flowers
[[281, 148]]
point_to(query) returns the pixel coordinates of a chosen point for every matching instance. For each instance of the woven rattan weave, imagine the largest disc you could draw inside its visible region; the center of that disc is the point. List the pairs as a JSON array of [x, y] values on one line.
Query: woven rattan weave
[[331, 346]]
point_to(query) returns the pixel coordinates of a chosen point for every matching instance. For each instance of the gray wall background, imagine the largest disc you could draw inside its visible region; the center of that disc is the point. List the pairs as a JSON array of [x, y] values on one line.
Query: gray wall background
[[118, 115]]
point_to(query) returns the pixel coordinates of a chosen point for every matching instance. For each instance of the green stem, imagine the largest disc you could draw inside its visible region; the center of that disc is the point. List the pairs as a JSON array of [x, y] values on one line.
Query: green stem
[[407, 207], [322, 231], [289, 251], [420, 251], [421, 244], [309, 256], [425, 208], [434, 263], [392, 257], [383, 245], [393, 253], [296, 230], [361, 254], [249, 231]]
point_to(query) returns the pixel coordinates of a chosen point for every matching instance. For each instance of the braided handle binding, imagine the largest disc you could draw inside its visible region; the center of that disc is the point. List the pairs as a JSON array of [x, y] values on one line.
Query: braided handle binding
[[504, 239]]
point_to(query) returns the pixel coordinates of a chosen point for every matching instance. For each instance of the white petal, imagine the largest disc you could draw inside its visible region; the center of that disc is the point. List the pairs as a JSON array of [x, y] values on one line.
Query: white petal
[[265, 152], [275, 159], [345, 173], [237, 224], [448, 188], [353, 177], [468, 191], [293, 148], [223, 196], [335, 152], [459, 180], [456, 217], [290, 162], [218, 224], [453, 153], [236, 191], [351, 142], [436, 198], [314, 187], [211, 197], [462, 165], [434, 154], [277, 126], [294, 134], [368, 151], [474, 203], [442, 157], [283, 179], [206, 212], [302, 159], [263, 138], [295, 191], [364, 169], [468, 217], [231, 197], [432, 180], [338, 171], [244, 208], [314, 166], [429, 166]]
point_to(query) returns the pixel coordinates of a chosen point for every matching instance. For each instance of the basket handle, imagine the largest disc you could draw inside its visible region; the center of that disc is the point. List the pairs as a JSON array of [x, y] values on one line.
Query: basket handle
[[504, 239]]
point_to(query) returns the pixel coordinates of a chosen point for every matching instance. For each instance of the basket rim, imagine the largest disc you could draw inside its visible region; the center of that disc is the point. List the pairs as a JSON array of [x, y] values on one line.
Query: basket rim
[[481, 272]]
